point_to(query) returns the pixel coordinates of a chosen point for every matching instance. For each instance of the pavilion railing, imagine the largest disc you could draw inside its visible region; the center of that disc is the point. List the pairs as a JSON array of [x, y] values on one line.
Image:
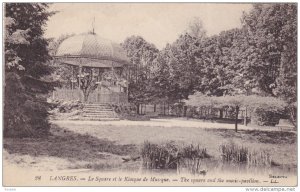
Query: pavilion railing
[[94, 97], [67, 94]]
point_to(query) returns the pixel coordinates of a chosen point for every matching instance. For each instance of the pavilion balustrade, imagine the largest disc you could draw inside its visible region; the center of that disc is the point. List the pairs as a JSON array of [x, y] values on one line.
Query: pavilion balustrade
[[94, 97]]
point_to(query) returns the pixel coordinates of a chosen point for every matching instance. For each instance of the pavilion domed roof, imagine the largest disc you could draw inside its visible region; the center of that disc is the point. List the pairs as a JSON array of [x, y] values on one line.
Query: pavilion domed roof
[[90, 45]]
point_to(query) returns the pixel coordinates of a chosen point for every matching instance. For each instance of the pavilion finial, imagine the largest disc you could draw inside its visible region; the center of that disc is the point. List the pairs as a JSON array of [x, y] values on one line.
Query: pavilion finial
[[93, 26]]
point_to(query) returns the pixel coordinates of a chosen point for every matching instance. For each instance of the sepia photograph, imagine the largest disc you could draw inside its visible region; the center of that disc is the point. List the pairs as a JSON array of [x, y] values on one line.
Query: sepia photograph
[[150, 94]]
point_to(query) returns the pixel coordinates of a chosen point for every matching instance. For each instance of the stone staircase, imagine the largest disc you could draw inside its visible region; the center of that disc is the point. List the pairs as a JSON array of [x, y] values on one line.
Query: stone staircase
[[99, 112]]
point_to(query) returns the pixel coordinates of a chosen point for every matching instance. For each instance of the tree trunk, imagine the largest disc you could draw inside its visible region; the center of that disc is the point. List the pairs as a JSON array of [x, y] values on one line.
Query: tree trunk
[[154, 107], [221, 114], [164, 109], [138, 109], [201, 113], [236, 117], [184, 111], [245, 117], [142, 106], [291, 116], [85, 95]]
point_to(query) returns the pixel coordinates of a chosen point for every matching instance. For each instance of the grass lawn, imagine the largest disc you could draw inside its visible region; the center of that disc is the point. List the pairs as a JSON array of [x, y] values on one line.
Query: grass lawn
[[101, 146]]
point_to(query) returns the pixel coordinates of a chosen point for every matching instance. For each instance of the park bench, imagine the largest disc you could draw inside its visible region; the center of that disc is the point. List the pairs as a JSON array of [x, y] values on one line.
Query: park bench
[[285, 124]]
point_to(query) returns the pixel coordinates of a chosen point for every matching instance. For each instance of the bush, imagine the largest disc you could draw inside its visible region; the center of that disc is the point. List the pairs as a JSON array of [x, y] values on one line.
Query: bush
[[128, 111], [265, 118], [239, 154], [171, 156], [191, 158], [124, 108], [234, 153], [66, 106], [160, 156]]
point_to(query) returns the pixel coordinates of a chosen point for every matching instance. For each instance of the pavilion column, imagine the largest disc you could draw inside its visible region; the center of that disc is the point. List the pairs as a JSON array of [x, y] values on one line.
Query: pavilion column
[[113, 71], [72, 79], [99, 78], [79, 79]]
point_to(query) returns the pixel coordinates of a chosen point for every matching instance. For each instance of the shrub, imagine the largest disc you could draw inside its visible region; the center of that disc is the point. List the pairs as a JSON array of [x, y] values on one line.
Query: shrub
[[233, 153], [124, 108], [66, 106], [171, 156], [259, 158], [239, 154], [160, 156], [265, 118], [128, 111], [69, 106], [191, 158]]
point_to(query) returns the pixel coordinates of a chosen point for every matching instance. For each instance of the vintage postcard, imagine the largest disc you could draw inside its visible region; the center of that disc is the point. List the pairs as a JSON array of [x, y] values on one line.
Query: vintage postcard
[[150, 94]]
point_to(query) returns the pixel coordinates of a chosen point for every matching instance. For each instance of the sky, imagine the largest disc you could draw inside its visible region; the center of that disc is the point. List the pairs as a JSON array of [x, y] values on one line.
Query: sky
[[157, 23]]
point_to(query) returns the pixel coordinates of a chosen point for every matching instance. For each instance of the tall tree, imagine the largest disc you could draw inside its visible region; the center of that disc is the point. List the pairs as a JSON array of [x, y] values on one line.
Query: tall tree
[[26, 70], [142, 55], [161, 78], [208, 60], [184, 69], [196, 28], [273, 30]]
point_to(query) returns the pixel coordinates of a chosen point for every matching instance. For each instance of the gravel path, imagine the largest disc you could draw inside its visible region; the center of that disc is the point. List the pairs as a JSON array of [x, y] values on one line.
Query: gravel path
[[179, 122]]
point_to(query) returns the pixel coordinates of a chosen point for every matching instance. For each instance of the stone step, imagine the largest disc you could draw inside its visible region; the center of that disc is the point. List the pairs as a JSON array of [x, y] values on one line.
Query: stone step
[[97, 105], [100, 112], [88, 110], [95, 117], [101, 119], [98, 115], [99, 109], [102, 107]]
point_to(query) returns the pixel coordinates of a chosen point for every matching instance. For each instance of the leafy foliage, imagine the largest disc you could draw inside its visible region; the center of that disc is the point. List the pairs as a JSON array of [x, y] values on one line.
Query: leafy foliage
[[272, 29], [252, 101]]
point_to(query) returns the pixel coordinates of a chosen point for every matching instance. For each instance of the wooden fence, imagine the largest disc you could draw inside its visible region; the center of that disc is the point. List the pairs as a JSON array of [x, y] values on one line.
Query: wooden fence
[[94, 97]]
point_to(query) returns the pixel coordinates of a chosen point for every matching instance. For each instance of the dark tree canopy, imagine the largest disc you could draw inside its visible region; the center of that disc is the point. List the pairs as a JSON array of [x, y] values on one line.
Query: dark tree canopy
[[26, 70]]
